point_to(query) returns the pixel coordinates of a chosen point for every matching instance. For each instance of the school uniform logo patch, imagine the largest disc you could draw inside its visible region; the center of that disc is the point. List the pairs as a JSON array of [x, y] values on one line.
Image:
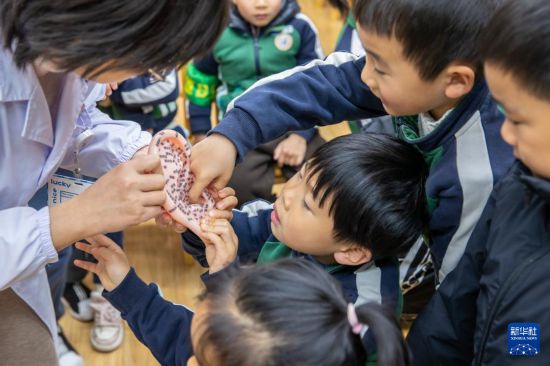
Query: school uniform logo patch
[[284, 41], [523, 339]]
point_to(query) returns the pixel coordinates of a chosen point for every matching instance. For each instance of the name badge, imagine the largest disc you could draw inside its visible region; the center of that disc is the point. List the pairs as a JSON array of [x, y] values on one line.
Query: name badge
[[63, 186]]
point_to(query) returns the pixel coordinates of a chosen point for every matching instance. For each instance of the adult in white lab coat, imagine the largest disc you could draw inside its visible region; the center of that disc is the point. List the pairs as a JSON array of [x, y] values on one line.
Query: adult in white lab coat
[[54, 54]]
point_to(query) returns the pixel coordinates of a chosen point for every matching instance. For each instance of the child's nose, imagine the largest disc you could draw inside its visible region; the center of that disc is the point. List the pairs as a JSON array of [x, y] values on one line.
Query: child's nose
[[261, 3], [507, 133], [287, 194], [366, 75]]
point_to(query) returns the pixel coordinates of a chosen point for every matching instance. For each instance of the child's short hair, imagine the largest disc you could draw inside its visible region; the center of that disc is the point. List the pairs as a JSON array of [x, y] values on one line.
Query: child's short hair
[[517, 40], [433, 33], [289, 312], [375, 184], [139, 35]]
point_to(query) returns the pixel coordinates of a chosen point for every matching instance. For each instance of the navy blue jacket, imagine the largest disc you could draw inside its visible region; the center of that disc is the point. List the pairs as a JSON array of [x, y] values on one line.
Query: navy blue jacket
[[465, 153], [163, 327], [502, 279], [376, 281], [149, 102]]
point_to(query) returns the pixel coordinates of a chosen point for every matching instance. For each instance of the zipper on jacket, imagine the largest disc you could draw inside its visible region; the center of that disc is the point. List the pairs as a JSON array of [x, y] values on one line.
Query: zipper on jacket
[[510, 281], [256, 38]]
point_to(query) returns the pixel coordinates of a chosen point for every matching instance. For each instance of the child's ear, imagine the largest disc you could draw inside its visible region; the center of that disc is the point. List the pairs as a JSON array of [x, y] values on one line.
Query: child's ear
[[353, 256], [459, 81]]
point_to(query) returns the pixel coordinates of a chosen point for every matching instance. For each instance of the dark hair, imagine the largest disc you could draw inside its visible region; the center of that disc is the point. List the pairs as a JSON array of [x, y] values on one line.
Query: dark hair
[[341, 5], [517, 41], [433, 33], [136, 35], [375, 184], [290, 312]]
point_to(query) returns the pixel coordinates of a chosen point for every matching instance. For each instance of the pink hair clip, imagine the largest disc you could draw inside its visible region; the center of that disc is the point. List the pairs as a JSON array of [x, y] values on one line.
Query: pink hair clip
[[356, 326]]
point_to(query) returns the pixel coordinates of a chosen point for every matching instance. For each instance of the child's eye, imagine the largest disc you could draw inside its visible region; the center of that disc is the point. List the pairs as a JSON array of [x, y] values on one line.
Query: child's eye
[[379, 72], [306, 206]]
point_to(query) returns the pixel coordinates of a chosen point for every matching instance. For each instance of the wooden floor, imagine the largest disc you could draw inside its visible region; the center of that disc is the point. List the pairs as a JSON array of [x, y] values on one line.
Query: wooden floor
[[156, 254]]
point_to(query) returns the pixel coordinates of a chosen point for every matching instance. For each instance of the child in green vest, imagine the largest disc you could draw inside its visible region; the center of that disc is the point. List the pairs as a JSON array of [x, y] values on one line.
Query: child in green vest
[[263, 38]]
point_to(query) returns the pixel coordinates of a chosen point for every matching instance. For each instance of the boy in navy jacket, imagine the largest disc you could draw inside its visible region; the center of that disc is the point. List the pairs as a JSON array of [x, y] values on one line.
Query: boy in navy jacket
[[426, 73], [352, 209], [493, 309]]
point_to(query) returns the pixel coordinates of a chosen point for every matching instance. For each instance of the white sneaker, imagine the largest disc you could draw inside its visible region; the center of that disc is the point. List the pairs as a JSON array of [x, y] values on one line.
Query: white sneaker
[[76, 297], [66, 354], [108, 331]]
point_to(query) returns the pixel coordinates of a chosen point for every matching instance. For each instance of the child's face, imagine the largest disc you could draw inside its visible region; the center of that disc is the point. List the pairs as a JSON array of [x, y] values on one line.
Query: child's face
[[396, 80], [527, 124], [299, 222], [259, 13]]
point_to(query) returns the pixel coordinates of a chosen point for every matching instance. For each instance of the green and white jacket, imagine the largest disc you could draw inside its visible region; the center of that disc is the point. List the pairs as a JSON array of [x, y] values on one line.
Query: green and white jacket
[[245, 54]]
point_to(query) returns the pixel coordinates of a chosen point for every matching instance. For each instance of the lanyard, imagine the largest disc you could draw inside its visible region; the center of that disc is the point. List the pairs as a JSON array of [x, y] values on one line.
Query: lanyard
[[81, 141]]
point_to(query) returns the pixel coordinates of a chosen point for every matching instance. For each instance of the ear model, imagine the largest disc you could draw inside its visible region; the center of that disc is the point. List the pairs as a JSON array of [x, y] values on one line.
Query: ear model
[[175, 153]]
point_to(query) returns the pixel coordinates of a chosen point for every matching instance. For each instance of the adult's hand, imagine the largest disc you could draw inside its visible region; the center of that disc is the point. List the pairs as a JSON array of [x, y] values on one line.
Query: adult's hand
[[128, 195]]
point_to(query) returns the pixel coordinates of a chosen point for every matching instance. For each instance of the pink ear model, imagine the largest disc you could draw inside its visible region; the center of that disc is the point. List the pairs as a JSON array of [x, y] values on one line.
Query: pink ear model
[[175, 153]]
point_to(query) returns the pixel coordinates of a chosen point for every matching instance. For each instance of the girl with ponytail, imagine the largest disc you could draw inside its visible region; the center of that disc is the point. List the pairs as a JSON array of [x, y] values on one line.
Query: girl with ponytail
[[289, 312]]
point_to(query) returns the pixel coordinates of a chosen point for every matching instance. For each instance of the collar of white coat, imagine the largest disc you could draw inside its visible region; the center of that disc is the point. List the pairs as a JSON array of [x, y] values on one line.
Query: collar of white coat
[[22, 85]]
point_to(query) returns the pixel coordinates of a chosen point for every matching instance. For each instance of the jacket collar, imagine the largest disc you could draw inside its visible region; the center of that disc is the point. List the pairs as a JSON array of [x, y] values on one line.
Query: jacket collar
[[537, 185], [16, 84], [474, 101], [21, 85], [289, 9]]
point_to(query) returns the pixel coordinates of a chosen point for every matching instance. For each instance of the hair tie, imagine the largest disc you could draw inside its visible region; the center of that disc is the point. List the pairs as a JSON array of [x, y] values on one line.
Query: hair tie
[[356, 326]]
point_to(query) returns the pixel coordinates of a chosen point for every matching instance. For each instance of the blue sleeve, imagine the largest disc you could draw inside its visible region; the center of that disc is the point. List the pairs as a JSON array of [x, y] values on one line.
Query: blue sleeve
[[310, 45], [207, 276], [310, 49], [443, 333], [344, 43], [161, 326], [145, 90], [252, 231], [306, 134], [194, 246], [199, 118], [320, 93], [207, 64]]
